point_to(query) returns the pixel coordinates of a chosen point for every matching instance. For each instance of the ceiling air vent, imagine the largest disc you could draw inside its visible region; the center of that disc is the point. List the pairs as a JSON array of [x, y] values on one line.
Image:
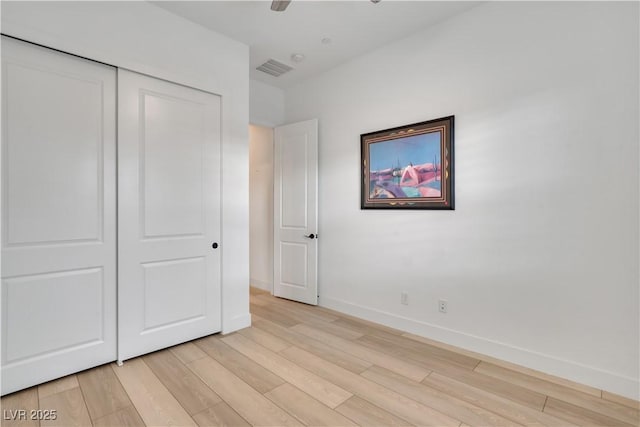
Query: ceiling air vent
[[274, 68]]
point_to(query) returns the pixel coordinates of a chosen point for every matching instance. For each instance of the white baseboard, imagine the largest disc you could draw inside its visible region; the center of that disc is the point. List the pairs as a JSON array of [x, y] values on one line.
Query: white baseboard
[[236, 323], [583, 374], [261, 285]]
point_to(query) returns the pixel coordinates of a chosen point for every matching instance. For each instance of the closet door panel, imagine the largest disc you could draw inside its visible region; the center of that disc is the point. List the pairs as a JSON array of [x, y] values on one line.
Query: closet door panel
[[58, 214], [169, 214], [63, 330], [173, 171], [63, 144]]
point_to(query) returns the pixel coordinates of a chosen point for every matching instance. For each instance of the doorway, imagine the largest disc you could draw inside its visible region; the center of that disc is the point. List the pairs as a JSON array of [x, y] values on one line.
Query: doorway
[[261, 207], [283, 210]]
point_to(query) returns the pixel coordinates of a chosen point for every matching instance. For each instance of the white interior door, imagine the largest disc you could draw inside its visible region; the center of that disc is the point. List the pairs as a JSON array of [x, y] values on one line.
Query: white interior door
[[295, 235], [168, 214], [58, 214]]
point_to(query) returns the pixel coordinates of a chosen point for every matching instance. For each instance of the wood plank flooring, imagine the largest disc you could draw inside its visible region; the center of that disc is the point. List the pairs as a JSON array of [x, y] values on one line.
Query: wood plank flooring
[[303, 365]]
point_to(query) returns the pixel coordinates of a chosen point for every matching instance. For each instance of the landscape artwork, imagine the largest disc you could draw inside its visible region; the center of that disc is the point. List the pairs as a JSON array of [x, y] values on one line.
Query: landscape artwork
[[409, 167]]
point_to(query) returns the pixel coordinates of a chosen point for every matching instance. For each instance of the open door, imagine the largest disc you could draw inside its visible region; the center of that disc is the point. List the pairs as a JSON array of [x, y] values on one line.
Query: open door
[[295, 235]]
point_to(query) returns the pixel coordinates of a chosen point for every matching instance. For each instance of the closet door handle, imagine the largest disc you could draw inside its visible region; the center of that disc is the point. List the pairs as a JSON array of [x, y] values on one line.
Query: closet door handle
[[311, 236], [214, 245]]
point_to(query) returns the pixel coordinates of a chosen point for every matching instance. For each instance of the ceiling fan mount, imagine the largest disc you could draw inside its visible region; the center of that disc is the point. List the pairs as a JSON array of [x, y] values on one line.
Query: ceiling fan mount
[[281, 5]]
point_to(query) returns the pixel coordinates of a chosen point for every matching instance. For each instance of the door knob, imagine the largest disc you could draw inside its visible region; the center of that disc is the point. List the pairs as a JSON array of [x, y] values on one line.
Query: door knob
[[214, 245], [311, 236]]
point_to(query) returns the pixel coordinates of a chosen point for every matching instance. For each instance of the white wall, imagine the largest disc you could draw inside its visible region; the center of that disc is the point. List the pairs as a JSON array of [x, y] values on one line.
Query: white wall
[[539, 261], [144, 38], [261, 206], [266, 104]]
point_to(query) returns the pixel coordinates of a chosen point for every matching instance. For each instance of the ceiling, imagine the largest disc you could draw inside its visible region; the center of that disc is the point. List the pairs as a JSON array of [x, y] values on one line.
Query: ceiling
[[353, 27]]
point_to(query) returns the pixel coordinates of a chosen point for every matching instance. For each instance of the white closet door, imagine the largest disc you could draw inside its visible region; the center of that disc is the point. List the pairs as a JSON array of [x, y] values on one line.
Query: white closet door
[[168, 214], [58, 214]]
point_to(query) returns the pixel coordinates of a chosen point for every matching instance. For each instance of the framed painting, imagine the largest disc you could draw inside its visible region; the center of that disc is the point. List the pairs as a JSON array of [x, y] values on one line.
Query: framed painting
[[409, 167]]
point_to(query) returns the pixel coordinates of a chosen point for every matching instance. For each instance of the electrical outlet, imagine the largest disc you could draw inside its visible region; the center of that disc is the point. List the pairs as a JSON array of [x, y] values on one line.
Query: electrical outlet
[[404, 298], [442, 306]]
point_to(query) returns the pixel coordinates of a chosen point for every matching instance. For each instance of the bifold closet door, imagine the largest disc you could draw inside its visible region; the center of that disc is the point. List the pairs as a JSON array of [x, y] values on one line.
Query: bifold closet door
[[58, 214], [168, 214]]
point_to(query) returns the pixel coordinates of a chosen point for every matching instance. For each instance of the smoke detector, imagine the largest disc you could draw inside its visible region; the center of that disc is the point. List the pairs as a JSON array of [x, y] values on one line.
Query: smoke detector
[[297, 57]]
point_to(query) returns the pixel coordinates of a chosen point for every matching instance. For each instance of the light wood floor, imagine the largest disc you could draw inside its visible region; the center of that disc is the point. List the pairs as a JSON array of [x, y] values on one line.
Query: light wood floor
[[302, 365]]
